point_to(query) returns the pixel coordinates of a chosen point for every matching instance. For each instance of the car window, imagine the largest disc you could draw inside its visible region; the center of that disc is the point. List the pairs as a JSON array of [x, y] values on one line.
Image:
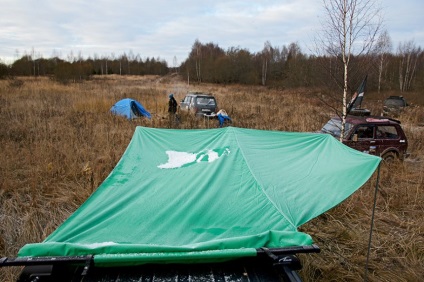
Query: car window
[[205, 101], [187, 99], [386, 132], [364, 132], [395, 103], [334, 127]]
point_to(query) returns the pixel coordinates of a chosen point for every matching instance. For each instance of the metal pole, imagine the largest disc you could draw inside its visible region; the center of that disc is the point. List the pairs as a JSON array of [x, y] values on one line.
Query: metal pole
[[372, 222]]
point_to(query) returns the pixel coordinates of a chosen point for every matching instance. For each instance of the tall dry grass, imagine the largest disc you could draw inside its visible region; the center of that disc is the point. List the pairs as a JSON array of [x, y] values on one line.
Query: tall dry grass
[[58, 143]]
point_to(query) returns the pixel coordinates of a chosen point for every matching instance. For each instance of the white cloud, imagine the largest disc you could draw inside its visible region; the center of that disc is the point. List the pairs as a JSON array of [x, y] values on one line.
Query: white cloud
[[169, 28]]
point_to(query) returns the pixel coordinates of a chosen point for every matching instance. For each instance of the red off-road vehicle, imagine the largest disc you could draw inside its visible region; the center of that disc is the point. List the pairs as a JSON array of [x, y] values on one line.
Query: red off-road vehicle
[[380, 136]]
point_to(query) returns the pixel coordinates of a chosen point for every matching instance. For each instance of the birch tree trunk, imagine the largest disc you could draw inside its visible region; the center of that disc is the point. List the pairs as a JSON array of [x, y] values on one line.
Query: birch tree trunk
[[198, 57], [266, 53], [384, 46], [350, 28]]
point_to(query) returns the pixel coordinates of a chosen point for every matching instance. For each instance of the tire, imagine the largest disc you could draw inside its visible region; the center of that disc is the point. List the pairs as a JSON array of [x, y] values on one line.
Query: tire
[[390, 158]]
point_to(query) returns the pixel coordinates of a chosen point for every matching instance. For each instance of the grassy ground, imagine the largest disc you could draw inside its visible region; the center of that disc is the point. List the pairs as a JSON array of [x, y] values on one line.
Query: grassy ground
[[59, 142]]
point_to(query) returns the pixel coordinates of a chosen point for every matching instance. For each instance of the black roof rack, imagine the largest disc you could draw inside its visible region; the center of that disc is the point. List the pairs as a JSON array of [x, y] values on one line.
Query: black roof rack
[[275, 264], [359, 112]]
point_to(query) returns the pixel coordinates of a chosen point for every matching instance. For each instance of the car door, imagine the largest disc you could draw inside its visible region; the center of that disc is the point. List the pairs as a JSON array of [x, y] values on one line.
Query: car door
[[362, 139], [185, 103], [387, 138]]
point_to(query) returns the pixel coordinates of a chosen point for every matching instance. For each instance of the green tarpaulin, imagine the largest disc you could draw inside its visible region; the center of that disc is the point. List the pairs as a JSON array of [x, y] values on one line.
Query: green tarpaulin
[[207, 195]]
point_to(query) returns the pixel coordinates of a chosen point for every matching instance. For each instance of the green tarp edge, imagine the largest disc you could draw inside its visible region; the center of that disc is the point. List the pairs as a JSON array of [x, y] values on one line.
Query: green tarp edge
[[105, 260], [111, 253]]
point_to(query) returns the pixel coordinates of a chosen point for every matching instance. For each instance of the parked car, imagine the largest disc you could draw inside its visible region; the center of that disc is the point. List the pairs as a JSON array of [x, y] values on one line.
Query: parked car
[[393, 105], [199, 103], [375, 135]]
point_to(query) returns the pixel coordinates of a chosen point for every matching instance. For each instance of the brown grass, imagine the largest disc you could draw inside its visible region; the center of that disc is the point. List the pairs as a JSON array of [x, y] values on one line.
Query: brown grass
[[58, 143]]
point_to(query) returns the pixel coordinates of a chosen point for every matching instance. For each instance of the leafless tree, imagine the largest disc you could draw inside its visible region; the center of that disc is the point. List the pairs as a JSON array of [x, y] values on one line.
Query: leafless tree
[[17, 54], [383, 47], [266, 56], [71, 57], [197, 47], [131, 58], [33, 59], [175, 63], [80, 57], [122, 57], [350, 29], [409, 55], [105, 58]]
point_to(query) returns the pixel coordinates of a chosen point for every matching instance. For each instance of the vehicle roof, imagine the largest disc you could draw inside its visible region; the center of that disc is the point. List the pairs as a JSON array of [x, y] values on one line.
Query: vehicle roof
[[396, 97], [370, 119], [199, 94]]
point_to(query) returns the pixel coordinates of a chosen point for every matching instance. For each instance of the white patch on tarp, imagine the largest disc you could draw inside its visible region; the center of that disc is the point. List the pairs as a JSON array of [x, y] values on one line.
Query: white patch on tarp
[[180, 159]]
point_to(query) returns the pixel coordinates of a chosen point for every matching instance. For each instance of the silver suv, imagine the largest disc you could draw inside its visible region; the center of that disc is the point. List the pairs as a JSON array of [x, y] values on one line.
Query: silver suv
[[393, 105], [199, 103]]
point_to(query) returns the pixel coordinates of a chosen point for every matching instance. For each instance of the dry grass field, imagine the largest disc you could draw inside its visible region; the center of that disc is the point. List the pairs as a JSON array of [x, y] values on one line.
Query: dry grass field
[[59, 142]]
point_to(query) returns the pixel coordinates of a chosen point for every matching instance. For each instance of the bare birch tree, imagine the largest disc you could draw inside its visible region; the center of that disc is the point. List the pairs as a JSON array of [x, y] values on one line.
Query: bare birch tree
[[266, 54], [409, 55], [350, 29], [384, 47], [131, 59], [197, 46], [175, 64], [33, 59]]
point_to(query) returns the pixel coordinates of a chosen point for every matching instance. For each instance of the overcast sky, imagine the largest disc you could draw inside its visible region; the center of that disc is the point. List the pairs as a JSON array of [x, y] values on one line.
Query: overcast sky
[[168, 29]]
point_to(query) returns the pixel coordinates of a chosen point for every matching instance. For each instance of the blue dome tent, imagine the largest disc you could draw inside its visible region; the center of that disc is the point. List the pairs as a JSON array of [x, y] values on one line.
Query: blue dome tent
[[130, 109]]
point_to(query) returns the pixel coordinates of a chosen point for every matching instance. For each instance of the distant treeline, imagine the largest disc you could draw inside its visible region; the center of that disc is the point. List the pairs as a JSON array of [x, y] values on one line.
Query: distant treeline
[[288, 67], [285, 66], [77, 69]]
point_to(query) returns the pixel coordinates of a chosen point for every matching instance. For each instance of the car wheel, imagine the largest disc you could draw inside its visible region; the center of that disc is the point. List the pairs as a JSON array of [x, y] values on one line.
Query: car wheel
[[390, 158]]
